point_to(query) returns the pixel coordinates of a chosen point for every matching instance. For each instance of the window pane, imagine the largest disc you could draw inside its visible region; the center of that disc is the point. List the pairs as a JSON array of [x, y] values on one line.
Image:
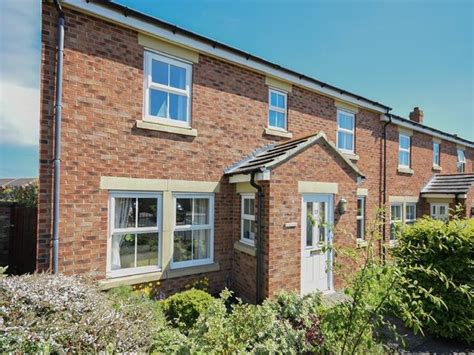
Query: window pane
[[147, 249], [249, 230], [201, 244], [344, 141], [360, 224], [321, 222], [360, 209], [183, 211], [309, 224], [147, 208], [124, 212], [395, 213], [410, 212], [280, 120], [123, 251], [249, 206], [158, 104], [201, 211], [183, 243], [345, 121], [277, 100], [272, 118], [403, 158], [178, 107], [404, 142], [159, 72], [460, 155], [177, 77]]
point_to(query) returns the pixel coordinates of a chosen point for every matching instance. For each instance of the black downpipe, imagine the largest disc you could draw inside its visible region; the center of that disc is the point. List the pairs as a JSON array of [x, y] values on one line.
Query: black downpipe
[[259, 251], [57, 135], [384, 194]]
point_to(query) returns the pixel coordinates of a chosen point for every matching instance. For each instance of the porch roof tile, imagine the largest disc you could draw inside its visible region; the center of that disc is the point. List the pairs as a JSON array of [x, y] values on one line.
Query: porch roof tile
[[449, 184]]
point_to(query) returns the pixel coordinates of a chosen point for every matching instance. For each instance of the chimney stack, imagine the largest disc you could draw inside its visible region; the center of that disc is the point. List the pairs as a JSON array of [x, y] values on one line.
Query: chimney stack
[[416, 115]]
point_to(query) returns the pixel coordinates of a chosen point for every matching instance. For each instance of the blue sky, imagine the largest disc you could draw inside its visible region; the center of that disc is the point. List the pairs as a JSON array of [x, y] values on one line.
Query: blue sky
[[402, 53]]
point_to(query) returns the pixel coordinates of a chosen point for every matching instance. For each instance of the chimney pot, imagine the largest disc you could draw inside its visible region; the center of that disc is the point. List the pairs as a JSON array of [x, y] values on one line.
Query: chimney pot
[[416, 115]]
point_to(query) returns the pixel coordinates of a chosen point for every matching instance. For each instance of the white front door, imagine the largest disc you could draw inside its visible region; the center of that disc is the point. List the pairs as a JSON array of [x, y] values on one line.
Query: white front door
[[316, 264]]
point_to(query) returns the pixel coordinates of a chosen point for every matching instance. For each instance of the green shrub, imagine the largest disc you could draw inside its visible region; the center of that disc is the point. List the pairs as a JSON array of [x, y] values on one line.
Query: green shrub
[[437, 258], [183, 308]]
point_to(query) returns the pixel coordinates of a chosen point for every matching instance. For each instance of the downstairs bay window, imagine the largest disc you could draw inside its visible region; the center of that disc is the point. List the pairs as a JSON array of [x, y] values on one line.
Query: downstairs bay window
[[193, 231], [135, 233]]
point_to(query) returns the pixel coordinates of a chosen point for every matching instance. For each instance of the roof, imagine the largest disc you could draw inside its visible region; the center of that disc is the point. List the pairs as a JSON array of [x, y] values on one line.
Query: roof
[[16, 182], [449, 184], [273, 155]]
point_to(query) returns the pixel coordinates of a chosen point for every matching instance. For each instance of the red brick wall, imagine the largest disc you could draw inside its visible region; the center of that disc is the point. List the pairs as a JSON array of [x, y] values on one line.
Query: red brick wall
[[103, 98]]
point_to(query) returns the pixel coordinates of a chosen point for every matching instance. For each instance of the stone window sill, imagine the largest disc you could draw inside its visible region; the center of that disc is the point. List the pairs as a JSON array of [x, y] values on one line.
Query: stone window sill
[[351, 156], [277, 133], [405, 170], [245, 248], [155, 126], [361, 243], [156, 276], [437, 168]]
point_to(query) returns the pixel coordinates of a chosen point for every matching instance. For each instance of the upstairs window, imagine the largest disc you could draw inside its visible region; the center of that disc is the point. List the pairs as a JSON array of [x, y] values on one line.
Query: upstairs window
[[361, 218], [404, 146], [461, 165], [436, 159], [345, 131], [248, 219], [167, 89], [277, 108]]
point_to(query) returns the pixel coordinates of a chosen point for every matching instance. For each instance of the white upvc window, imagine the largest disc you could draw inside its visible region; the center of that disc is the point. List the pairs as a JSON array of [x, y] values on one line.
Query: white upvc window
[[440, 211], [277, 109], [404, 146], [410, 213], [461, 164], [193, 240], [167, 90], [345, 131], [436, 154], [396, 219], [134, 243], [247, 234], [361, 218]]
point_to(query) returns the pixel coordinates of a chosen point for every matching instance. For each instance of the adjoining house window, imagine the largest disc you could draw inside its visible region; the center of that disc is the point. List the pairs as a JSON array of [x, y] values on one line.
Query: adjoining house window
[[440, 211], [410, 213], [436, 154], [461, 165], [395, 219], [167, 89], [247, 234], [193, 230], [277, 108], [345, 131], [361, 218], [404, 145], [135, 233]]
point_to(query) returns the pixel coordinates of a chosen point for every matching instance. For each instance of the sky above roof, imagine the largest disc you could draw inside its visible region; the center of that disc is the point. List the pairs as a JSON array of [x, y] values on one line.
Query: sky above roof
[[401, 53]]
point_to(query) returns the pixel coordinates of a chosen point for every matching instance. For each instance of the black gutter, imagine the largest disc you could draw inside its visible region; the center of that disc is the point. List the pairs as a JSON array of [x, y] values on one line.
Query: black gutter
[[57, 135], [384, 194], [259, 251], [127, 12]]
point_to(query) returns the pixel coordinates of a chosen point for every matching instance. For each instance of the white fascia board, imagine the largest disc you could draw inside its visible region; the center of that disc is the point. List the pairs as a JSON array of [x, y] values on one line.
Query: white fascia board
[[427, 131], [193, 43], [263, 176]]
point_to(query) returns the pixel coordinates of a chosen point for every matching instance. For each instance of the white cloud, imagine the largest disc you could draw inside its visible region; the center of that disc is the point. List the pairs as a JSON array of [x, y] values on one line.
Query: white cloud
[[19, 114], [19, 71]]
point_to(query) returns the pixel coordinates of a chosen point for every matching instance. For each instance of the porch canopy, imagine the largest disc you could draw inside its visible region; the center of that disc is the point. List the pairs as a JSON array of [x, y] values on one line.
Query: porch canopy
[[449, 186], [264, 159]]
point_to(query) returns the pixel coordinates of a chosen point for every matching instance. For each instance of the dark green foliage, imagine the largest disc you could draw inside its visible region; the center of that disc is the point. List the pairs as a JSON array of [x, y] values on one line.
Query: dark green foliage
[[26, 196], [183, 309], [438, 258]]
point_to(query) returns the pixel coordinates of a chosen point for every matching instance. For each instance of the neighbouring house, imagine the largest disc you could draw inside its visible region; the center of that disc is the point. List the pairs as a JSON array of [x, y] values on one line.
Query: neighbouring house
[[184, 158]]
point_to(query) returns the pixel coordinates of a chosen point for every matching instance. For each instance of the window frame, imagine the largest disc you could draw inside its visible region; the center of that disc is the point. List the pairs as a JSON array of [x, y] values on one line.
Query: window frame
[[346, 131], [137, 230], [437, 206], [461, 164], [405, 150], [277, 109], [190, 227], [393, 221], [243, 217], [361, 217], [436, 154], [149, 56], [405, 219]]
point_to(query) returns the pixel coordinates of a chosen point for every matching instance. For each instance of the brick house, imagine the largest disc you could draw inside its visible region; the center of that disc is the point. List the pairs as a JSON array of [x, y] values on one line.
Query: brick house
[[184, 158]]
